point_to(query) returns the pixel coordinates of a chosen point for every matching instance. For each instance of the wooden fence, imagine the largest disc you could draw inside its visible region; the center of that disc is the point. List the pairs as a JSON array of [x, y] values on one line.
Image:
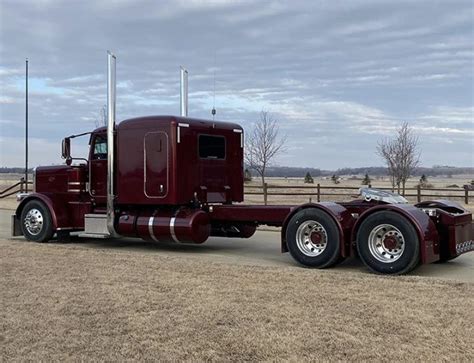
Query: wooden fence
[[19, 187], [319, 192]]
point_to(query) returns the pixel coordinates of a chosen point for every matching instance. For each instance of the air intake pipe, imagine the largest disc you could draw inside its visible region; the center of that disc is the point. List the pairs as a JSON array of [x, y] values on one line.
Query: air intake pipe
[[184, 92]]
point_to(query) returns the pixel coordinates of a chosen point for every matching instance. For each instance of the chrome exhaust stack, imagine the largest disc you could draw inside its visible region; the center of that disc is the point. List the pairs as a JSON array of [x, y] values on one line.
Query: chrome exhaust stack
[[111, 101], [184, 92]]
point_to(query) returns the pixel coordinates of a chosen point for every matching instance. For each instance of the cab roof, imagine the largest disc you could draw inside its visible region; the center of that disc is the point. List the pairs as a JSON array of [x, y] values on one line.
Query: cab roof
[[148, 121]]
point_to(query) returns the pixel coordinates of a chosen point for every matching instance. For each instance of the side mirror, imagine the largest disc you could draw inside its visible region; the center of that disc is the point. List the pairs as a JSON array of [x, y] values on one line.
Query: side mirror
[[66, 148]]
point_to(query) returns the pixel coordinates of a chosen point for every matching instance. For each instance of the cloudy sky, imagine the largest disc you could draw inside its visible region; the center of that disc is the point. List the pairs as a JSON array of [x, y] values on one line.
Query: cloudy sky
[[338, 75]]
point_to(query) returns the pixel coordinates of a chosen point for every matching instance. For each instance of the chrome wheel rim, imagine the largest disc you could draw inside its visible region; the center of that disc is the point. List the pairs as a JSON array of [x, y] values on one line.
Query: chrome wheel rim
[[311, 238], [33, 221], [386, 243]]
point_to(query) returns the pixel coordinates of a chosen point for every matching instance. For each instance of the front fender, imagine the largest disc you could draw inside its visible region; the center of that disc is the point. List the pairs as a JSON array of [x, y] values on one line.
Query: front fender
[[424, 226], [56, 207]]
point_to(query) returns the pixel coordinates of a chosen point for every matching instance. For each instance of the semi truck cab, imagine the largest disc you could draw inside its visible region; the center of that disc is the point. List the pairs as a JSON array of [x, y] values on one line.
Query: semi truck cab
[[166, 161]]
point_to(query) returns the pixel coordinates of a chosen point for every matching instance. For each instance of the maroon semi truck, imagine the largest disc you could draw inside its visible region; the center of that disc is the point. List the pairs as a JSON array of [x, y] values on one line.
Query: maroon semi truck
[[179, 179]]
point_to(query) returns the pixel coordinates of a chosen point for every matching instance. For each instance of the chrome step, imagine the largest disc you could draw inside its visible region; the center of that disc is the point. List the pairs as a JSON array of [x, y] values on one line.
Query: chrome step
[[95, 226], [93, 235]]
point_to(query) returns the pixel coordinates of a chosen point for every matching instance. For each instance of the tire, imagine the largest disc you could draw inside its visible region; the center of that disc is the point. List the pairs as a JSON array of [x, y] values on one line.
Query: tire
[[387, 243], [36, 222], [313, 238]]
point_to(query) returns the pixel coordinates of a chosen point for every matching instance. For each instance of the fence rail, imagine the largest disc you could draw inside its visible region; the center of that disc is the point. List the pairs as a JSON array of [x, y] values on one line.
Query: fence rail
[[317, 191], [19, 187]]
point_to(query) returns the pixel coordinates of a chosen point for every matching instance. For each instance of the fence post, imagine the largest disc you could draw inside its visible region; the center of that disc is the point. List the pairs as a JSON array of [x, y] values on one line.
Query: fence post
[[21, 184], [418, 193], [318, 192], [265, 197], [466, 194]]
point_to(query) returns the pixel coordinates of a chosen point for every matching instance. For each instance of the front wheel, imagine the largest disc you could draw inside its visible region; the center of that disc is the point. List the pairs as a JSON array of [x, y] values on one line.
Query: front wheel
[[313, 239], [36, 222], [388, 243]]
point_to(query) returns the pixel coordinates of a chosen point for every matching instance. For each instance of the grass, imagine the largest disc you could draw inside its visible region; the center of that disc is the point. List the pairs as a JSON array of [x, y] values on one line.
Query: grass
[[69, 302], [64, 302]]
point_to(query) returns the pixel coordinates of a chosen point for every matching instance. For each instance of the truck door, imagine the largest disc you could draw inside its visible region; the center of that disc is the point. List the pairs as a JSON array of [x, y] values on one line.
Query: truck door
[[98, 169], [156, 164]]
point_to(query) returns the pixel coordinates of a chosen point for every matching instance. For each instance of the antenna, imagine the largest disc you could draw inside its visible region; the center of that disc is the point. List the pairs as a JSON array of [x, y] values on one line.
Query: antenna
[[213, 111]]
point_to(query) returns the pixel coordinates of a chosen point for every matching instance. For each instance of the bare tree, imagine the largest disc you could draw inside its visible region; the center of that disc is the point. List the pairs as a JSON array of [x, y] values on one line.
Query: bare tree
[[401, 155], [101, 119], [388, 151], [262, 144], [409, 154]]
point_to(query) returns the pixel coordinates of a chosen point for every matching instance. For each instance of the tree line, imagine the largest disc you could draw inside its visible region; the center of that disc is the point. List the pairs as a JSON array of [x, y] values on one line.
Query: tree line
[[297, 172], [373, 171], [14, 170]]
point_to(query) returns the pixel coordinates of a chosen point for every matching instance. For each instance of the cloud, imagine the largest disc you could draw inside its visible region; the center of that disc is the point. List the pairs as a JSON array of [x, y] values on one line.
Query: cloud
[[462, 117], [45, 151], [338, 76], [6, 99]]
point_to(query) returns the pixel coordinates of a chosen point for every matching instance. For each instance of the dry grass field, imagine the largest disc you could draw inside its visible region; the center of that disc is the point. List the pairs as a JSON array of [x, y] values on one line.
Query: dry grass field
[[66, 301], [63, 302]]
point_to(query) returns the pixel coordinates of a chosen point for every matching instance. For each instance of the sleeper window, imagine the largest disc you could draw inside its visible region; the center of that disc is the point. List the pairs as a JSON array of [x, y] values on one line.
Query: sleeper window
[[211, 147]]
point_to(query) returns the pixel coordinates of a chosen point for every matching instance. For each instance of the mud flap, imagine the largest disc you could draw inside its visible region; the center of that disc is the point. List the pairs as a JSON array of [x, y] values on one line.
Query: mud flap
[[15, 226]]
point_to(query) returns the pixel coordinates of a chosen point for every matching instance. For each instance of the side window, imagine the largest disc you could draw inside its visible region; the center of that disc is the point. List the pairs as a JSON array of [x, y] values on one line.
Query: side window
[[100, 148], [211, 147]]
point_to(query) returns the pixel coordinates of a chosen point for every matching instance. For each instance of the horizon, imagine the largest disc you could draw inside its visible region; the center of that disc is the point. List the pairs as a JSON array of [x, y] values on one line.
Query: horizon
[[337, 77], [416, 169]]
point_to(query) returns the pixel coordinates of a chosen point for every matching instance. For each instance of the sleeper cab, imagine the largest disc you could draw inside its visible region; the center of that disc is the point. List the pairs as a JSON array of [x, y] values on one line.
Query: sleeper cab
[[170, 160]]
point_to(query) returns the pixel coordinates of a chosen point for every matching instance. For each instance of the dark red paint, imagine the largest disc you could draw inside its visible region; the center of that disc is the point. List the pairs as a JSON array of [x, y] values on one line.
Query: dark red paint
[[171, 188], [149, 156]]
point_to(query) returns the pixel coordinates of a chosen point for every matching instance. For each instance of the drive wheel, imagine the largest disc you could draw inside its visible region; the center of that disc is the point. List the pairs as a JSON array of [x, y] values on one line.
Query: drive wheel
[[388, 243], [313, 239], [36, 222]]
